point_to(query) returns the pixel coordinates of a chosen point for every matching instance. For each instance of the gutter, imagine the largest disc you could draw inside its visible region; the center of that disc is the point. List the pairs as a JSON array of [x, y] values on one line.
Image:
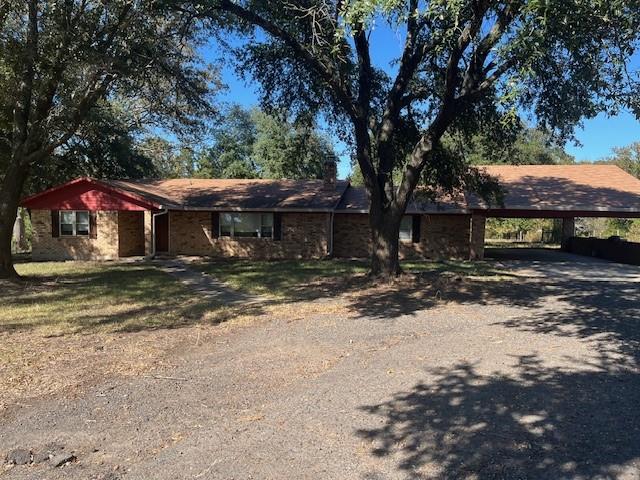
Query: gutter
[[163, 211], [561, 208], [242, 209]]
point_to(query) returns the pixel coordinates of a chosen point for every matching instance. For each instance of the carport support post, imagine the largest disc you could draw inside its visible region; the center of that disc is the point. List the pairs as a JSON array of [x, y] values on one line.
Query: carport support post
[[478, 223], [568, 231]]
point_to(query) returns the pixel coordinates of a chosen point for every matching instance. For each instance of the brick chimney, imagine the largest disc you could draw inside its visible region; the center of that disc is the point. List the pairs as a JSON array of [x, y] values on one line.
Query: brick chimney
[[330, 172]]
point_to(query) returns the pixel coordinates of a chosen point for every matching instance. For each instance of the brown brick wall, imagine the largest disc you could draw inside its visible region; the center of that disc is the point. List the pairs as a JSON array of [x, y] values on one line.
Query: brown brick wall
[[104, 247], [351, 235], [304, 235], [131, 239], [445, 236], [190, 233], [441, 236]]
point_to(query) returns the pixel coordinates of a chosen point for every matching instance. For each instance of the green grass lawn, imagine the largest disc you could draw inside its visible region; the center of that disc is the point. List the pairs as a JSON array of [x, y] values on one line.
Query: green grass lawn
[[288, 279], [70, 297], [74, 297]]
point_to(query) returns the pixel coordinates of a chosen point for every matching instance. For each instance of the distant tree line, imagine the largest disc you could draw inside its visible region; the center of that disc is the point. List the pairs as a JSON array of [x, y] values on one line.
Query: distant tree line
[[627, 158], [244, 143]]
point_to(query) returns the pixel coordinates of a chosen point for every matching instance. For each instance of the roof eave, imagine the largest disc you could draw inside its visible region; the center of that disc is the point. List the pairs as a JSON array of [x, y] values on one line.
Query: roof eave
[[411, 212], [97, 183], [562, 209], [182, 208]]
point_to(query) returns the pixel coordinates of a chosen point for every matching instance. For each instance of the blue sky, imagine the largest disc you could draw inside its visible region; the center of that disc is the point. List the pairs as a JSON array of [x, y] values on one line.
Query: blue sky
[[601, 134], [596, 138]]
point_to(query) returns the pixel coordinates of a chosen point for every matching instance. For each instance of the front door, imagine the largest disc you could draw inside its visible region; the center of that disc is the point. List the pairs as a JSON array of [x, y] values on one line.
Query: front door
[[162, 233]]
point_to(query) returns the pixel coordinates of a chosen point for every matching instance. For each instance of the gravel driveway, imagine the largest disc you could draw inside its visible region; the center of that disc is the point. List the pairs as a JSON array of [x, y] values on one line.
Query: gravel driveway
[[538, 380]]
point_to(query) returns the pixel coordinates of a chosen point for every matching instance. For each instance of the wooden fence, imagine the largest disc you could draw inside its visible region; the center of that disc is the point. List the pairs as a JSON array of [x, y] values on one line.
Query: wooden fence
[[612, 249]]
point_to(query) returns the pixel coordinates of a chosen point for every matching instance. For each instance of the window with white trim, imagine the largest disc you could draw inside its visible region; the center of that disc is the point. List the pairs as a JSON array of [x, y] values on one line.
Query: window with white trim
[[406, 228], [245, 224], [74, 223]]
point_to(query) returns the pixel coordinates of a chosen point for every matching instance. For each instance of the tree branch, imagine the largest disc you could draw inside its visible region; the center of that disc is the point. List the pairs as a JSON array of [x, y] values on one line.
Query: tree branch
[[46, 101], [365, 74], [476, 70], [365, 71], [324, 69], [96, 89], [22, 109], [411, 58], [412, 55], [421, 151], [489, 80]]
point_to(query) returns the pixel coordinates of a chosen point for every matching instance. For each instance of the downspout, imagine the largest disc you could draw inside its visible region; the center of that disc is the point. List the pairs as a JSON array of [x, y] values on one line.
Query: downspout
[[163, 211]]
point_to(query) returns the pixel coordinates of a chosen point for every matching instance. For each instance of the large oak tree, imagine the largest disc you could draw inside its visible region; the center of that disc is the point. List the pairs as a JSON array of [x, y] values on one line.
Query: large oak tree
[[60, 58], [464, 66]]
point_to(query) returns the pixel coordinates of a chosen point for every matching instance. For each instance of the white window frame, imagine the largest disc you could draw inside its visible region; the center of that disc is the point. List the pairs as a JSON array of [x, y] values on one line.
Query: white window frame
[[410, 220], [74, 223], [232, 230]]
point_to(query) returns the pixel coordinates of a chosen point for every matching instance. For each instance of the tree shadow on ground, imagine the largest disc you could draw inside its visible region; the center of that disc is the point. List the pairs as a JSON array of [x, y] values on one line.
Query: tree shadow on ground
[[595, 301], [607, 312], [425, 285], [462, 283], [428, 290], [538, 423], [581, 421], [557, 303], [117, 297]]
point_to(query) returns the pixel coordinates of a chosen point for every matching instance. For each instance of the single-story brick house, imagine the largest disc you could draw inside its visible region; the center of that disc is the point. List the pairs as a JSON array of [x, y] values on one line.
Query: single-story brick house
[[271, 219]]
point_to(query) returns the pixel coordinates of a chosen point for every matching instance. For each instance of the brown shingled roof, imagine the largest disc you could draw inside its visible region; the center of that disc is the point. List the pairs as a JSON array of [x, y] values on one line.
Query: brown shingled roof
[[581, 188], [356, 200], [236, 194], [578, 187], [531, 190]]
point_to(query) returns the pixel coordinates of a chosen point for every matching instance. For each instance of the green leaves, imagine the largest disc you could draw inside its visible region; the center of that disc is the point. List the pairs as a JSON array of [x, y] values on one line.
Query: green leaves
[[254, 144], [142, 52], [466, 67]]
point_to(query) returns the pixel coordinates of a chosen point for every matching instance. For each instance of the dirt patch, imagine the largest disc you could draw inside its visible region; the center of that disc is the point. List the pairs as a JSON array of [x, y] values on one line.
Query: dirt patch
[[35, 366]]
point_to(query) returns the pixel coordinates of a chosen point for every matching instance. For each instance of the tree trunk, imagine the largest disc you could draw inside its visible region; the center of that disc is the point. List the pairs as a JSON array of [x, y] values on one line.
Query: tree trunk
[[385, 232], [10, 192]]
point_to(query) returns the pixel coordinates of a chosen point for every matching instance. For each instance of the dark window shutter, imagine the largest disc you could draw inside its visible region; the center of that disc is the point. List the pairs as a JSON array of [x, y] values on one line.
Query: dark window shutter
[[215, 224], [55, 223], [415, 228], [93, 224], [277, 226]]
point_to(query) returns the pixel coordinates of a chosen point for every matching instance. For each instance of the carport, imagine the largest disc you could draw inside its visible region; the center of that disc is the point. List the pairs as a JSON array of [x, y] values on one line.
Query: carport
[[564, 192]]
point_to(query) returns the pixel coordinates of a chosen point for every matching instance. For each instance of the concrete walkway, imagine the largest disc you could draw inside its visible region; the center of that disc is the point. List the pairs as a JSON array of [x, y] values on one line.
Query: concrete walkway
[[203, 284]]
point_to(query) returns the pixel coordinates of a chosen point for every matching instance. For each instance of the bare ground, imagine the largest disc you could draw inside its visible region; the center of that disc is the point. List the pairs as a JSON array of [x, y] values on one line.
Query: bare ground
[[535, 376]]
